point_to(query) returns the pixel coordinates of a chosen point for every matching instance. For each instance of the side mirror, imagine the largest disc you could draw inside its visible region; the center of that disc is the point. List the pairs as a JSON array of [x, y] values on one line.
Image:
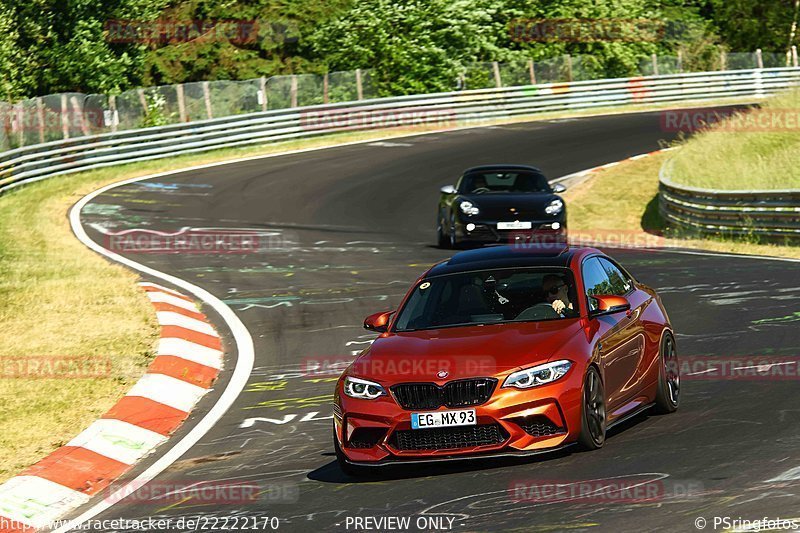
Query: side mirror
[[378, 322], [558, 188], [607, 304], [448, 189]]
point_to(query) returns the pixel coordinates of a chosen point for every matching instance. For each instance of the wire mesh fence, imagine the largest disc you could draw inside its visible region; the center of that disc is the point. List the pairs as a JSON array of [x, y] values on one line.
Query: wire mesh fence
[[68, 115]]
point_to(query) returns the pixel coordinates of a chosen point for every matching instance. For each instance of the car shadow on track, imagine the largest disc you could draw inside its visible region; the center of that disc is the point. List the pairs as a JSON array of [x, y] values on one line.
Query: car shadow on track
[[331, 473]]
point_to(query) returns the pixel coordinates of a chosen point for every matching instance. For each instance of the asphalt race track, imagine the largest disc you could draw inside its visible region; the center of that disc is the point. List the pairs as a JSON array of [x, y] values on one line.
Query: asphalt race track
[[356, 225]]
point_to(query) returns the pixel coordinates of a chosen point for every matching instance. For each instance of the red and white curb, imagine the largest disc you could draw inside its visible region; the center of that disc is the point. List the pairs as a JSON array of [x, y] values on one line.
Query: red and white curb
[[189, 358], [589, 171]]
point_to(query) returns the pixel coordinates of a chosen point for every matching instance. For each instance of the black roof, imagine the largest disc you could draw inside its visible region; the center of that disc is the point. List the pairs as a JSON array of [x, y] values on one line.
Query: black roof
[[484, 168], [506, 257]]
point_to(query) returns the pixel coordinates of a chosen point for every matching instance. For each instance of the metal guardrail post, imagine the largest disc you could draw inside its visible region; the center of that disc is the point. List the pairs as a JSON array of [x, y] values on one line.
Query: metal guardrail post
[[766, 214]]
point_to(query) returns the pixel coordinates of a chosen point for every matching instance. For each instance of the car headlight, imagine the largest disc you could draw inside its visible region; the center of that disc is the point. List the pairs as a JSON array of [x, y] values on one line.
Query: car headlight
[[363, 389], [468, 208], [554, 207], [538, 375]]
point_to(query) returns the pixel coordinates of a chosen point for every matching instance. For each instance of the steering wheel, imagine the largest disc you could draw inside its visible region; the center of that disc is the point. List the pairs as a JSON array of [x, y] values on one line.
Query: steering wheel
[[481, 189], [540, 311]]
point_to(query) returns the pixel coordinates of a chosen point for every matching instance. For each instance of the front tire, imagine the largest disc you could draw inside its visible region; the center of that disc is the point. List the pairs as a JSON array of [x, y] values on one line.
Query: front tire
[[593, 415], [668, 394], [442, 240], [453, 243]]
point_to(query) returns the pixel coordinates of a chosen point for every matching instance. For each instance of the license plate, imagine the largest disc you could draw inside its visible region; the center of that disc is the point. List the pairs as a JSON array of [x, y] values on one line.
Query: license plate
[[440, 419], [514, 225]]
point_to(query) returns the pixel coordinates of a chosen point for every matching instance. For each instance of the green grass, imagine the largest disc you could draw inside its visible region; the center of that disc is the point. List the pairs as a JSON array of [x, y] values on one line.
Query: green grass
[[739, 155]]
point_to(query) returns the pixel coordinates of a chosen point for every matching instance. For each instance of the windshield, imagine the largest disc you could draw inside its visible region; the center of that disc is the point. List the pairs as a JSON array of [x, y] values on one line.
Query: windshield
[[513, 181], [490, 297]]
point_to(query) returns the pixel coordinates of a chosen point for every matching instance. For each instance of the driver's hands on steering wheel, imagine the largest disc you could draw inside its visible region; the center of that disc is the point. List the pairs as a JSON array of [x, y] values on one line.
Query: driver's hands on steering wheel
[[558, 306], [481, 189]]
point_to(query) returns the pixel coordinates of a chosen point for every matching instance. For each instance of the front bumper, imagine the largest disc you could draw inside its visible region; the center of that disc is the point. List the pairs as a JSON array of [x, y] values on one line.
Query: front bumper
[[476, 230], [531, 421]]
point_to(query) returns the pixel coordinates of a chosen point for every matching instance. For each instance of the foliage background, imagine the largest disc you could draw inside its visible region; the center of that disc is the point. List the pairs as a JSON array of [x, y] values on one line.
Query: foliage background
[[50, 46]]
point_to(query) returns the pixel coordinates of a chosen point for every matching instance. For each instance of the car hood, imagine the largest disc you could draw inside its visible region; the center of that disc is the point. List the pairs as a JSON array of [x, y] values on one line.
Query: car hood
[[500, 205], [462, 352]]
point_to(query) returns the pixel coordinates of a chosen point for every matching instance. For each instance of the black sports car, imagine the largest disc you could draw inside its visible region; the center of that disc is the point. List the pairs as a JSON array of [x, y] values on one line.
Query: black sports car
[[498, 203]]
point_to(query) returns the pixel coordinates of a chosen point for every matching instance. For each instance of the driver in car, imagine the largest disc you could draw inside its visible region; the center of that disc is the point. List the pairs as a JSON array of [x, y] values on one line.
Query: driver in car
[[556, 292]]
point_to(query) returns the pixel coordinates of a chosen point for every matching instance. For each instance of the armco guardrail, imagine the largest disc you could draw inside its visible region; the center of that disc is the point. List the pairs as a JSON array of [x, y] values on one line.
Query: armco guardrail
[[769, 214], [32, 163]]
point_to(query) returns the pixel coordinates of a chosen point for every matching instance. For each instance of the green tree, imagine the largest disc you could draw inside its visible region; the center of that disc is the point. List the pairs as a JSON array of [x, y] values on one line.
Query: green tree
[[53, 46]]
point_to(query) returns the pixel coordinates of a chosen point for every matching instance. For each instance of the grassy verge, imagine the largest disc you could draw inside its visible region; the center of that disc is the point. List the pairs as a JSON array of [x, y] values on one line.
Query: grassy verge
[[622, 203], [759, 150], [57, 298]]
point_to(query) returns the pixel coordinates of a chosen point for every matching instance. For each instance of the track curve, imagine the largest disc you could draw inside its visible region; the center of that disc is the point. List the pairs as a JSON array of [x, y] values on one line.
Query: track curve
[[358, 221]]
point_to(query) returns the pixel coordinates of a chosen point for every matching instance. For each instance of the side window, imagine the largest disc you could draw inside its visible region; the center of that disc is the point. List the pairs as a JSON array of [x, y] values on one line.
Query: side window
[[595, 280], [620, 284]]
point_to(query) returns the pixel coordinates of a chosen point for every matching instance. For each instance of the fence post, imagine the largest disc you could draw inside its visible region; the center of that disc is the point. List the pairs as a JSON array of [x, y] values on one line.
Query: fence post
[[263, 88], [40, 115], [325, 89], [569, 68], [794, 56], [759, 58], [498, 81], [112, 109], [293, 92], [142, 100], [723, 59], [64, 118], [654, 58], [78, 112], [207, 99], [19, 112], [181, 103], [680, 61], [359, 86], [531, 72]]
